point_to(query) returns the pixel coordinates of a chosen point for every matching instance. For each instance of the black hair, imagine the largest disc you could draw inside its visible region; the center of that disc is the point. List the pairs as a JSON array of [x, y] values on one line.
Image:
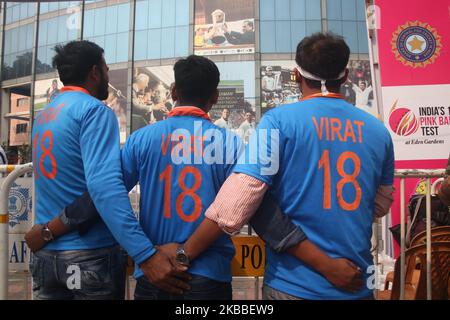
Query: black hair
[[196, 80], [325, 55], [75, 60], [250, 23]]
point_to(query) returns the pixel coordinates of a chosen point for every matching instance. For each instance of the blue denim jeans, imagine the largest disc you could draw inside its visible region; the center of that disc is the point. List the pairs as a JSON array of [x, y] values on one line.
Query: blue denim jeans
[[201, 289], [97, 274]]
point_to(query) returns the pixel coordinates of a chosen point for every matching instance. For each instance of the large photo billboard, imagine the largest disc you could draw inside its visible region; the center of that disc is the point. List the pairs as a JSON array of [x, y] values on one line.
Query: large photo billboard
[[278, 85], [235, 109], [224, 27]]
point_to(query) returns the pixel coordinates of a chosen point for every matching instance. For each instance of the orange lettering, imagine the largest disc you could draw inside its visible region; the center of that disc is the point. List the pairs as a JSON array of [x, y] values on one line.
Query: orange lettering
[[336, 126], [349, 131]]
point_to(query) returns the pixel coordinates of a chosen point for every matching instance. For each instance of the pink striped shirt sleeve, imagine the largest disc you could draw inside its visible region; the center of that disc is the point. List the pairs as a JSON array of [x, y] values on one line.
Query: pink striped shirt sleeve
[[237, 201]]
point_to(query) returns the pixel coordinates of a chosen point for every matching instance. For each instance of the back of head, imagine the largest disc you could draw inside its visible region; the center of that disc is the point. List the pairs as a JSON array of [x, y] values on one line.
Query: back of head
[[324, 55], [196, 80], [75, 60]]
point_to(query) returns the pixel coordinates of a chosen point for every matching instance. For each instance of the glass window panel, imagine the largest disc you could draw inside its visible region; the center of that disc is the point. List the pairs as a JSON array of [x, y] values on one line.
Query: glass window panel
[[282, 10], [168, 13], [268, 36], [298, 32], [112, 18], [283, 41], [30, 36], [100, 21], [123, 23], [313, 10], [73, 33], [334, 10], [335, 26], [16, 13], [363, 45], [44, 7], [52, 31], [348, 10], [182, 13], [168, 45], [42, 37], [14, 42], [154, 44], [313, 26], [50, 54], [42, 54], [267, 9], [181, 41], [140, 45], [88, 24], [361, 10], [141, 15], [110, 48], [122, 47], [52, 6], [22, 38], [100, 41], [350, 34], [9, 15], [298, 10], [62, 29], [23, 11], [8, 42], [32, 8], [154, 14]]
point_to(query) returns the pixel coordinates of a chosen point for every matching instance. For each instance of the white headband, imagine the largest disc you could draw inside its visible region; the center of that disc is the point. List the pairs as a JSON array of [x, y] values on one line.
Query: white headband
[[310, 76]]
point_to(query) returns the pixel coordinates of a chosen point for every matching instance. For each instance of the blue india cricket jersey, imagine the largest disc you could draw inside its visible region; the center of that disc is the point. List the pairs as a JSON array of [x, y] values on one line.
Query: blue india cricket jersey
[[76, 149], [332, 159], [181, 163]]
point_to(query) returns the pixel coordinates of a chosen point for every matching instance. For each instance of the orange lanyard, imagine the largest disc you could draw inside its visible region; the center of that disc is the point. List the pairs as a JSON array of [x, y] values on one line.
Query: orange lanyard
[[189, 111], [321, 95], [74, 88]]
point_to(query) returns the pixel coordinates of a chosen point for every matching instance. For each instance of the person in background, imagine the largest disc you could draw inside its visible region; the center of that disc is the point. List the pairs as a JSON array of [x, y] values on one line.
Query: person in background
[[444, 191], [247, 127], [331, 185], [224, 122], [52, 91], [246, 37], [3, 158], [78, 151]]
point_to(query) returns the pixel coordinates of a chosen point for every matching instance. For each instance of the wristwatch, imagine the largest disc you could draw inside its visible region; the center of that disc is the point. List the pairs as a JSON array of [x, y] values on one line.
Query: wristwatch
[[46, 233], [181, 256]]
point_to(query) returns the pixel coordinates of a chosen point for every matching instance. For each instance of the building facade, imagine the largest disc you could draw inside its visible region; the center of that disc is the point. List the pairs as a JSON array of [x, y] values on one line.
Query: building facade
[[253, 43]]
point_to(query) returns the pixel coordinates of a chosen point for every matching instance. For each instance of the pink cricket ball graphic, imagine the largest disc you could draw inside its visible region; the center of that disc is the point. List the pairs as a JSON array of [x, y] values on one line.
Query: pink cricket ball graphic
[[403, 121]]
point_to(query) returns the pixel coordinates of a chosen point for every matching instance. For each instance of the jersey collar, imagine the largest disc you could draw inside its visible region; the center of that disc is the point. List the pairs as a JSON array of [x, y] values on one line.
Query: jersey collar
[[188, 111], [74, 88], [322, 95]]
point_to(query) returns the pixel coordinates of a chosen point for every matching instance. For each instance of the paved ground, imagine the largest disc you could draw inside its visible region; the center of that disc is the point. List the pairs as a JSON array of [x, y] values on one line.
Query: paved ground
[[243, 288]]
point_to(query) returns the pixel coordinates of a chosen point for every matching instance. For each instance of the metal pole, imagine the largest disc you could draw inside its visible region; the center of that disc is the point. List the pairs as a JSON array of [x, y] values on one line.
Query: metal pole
[[402, 238], [428, 223], [16, 171]]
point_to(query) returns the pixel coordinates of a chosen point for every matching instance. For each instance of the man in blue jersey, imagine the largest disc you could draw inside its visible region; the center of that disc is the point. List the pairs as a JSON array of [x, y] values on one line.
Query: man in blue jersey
[[270, 224], [177, 182], [329, 166], [76, 150]]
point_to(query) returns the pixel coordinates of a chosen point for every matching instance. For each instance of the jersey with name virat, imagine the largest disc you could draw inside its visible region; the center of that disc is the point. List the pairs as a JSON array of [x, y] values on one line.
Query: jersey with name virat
[[181, 163], [76, 149], [330, 158]]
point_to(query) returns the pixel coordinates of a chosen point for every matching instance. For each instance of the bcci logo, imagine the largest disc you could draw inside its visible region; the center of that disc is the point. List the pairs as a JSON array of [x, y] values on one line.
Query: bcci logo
[[416, 44], [19, 204], [403, 121]]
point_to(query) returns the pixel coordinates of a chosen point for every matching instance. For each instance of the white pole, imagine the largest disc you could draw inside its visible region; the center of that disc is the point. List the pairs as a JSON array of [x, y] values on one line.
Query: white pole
[[428, 223], [16, 171], [402, 238]]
